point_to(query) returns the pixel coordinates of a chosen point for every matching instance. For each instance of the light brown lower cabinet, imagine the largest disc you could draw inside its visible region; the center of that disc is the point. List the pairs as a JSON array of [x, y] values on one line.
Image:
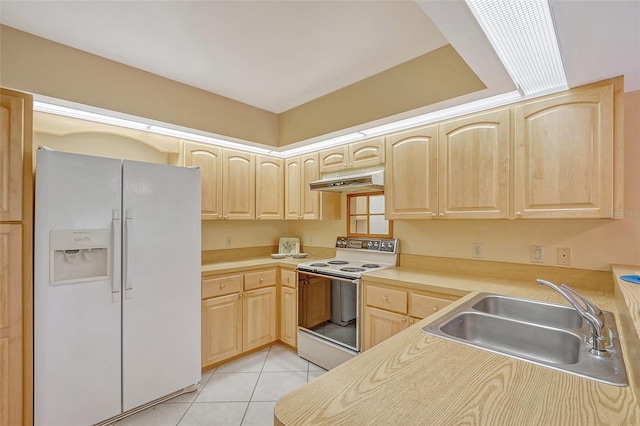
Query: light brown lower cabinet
[[390, 309], [258, 318], [380, 325], [289, 316], [238, 314], [221, 328]]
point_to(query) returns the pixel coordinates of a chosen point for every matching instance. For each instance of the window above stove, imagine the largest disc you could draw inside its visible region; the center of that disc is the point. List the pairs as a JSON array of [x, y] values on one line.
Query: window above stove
[[365, 216]]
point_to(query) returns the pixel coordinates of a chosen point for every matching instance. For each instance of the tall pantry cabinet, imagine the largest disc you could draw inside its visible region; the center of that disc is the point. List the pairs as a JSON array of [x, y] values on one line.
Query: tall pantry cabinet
[[16, 227]]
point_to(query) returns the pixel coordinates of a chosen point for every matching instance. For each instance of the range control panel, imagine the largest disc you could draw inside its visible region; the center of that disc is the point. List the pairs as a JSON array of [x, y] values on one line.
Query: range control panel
[[386, 245]]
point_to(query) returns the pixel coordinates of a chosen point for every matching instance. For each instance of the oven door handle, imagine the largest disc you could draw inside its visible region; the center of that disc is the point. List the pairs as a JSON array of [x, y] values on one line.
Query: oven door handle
[[331, 277]]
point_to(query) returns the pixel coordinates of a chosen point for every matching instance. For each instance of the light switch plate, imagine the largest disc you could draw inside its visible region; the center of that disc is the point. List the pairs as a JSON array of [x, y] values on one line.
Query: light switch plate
[[537, 254]]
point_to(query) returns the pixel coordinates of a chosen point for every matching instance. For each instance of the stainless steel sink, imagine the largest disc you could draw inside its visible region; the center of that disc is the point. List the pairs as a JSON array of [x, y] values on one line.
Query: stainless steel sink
[[542, 333], [542, 313], [543, 344]]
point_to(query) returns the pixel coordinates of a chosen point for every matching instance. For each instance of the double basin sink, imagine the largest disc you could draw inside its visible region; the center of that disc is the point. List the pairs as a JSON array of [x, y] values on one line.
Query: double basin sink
[[543, 333]]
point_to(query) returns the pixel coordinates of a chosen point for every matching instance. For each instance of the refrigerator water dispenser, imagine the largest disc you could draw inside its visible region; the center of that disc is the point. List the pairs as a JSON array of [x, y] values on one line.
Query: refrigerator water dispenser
[[79, 256]]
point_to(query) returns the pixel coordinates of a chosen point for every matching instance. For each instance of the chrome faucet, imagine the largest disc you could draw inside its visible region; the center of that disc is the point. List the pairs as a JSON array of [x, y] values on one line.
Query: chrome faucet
[[591, 313]]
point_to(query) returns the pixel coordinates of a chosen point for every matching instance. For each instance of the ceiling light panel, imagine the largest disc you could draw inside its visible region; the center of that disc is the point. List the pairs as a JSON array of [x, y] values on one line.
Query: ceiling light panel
[[523, 35]]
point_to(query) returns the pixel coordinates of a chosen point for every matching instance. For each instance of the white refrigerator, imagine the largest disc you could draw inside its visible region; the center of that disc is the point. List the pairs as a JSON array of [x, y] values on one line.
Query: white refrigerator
[[116, 286]]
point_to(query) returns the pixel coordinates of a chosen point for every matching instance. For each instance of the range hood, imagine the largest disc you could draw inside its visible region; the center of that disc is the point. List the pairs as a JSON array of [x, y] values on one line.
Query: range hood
[[366, 180]]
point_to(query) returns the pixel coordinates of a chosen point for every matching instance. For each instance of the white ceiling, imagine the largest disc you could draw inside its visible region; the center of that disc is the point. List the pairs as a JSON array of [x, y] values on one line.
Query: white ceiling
[[277, 55]]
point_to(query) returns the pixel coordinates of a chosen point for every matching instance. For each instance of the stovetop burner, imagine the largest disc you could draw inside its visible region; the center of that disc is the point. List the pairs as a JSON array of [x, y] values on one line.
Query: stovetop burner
[[370, 265], [338, 262], [320, 265], [352, 269]]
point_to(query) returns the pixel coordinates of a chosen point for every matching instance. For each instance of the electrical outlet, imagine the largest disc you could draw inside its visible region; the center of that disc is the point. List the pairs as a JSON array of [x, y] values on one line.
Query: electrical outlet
[[477, 250], [229, 242], [564, 256], [311, 239], [537, 254]]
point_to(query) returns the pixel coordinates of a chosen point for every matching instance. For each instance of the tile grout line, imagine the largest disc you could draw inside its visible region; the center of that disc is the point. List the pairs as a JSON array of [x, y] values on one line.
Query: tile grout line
[[256, 385], [196, 396]]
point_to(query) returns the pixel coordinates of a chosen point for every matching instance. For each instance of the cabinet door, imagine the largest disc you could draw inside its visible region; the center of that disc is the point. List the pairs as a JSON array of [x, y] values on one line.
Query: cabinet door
[[564, 156], [269, 188], [11, 137], [379, 325], [473, 166], [334, 159], [310, 199], [221, 328], [209, 159], [259, 318], [315, 302], [411, 174], [10, 324], [239, 185], [366, 153], [288, 316], [293, 189]]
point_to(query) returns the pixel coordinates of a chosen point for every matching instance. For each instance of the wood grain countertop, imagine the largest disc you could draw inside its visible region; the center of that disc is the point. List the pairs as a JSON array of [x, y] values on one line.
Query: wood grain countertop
[[417, 379]]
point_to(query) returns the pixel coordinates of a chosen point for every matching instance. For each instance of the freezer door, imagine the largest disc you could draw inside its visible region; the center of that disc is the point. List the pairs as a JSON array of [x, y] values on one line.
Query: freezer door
[[76, 322], [161, 281]]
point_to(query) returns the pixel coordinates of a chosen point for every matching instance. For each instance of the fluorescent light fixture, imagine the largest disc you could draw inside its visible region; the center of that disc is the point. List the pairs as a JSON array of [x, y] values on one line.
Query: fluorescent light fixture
[[85, 115], [523, 35], [328, 143], [136, 125], [443, 114]]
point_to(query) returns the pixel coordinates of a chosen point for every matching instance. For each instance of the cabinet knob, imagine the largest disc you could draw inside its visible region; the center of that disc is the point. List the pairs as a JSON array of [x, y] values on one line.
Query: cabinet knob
[[411, 321], [219, 216], [226, 216], [221, 285], [258, 216], [441, 215], [435, 309], [433, 215], [519, 214], [404, 320], [349, 164], [384, 298], [245, 294], [289, 292], [261, 279]]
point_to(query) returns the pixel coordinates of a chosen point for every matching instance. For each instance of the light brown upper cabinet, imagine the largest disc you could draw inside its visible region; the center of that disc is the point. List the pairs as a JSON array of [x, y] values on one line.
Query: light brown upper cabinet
[[355, 155], [209, 159], [239, 185], [227, 181], [411, 174], [269, 188], [302, 203], [473, 166], [564, 149]]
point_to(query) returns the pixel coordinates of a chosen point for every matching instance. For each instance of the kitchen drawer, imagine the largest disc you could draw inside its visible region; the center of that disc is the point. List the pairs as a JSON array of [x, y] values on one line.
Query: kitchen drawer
[[263, 278], [421, 306], [288, 278], [217, 286], [386, 298]]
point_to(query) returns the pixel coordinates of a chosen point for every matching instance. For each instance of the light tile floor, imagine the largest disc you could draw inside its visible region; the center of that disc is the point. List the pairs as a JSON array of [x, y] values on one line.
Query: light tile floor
[[241, 392]]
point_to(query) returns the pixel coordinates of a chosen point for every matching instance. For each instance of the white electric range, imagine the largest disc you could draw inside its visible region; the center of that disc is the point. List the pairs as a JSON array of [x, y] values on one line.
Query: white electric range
[[330, 298]]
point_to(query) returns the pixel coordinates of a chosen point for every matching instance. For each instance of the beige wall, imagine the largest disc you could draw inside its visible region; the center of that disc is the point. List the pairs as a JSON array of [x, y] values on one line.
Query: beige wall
[[594, 244], [243, 233]]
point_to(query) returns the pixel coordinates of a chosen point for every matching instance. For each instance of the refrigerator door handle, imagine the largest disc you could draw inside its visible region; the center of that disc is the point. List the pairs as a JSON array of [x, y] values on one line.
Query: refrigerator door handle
[[128, 283], [115, 275]]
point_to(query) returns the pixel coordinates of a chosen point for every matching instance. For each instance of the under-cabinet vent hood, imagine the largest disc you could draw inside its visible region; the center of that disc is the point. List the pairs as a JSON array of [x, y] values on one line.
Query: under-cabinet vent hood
[[366, 180]]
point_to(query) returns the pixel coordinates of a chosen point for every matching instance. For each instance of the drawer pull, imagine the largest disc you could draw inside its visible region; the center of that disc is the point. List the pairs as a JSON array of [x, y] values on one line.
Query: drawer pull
[[404, 320], [384, 298], [435, 309], [261, 279], [222, 286]]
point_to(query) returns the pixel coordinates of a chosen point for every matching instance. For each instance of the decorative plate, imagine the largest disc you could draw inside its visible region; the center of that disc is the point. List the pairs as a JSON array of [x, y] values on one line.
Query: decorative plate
[[289, 246]]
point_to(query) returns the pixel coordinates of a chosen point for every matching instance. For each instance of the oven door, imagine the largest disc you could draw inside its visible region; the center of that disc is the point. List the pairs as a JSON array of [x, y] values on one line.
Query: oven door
[[328, 316]]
